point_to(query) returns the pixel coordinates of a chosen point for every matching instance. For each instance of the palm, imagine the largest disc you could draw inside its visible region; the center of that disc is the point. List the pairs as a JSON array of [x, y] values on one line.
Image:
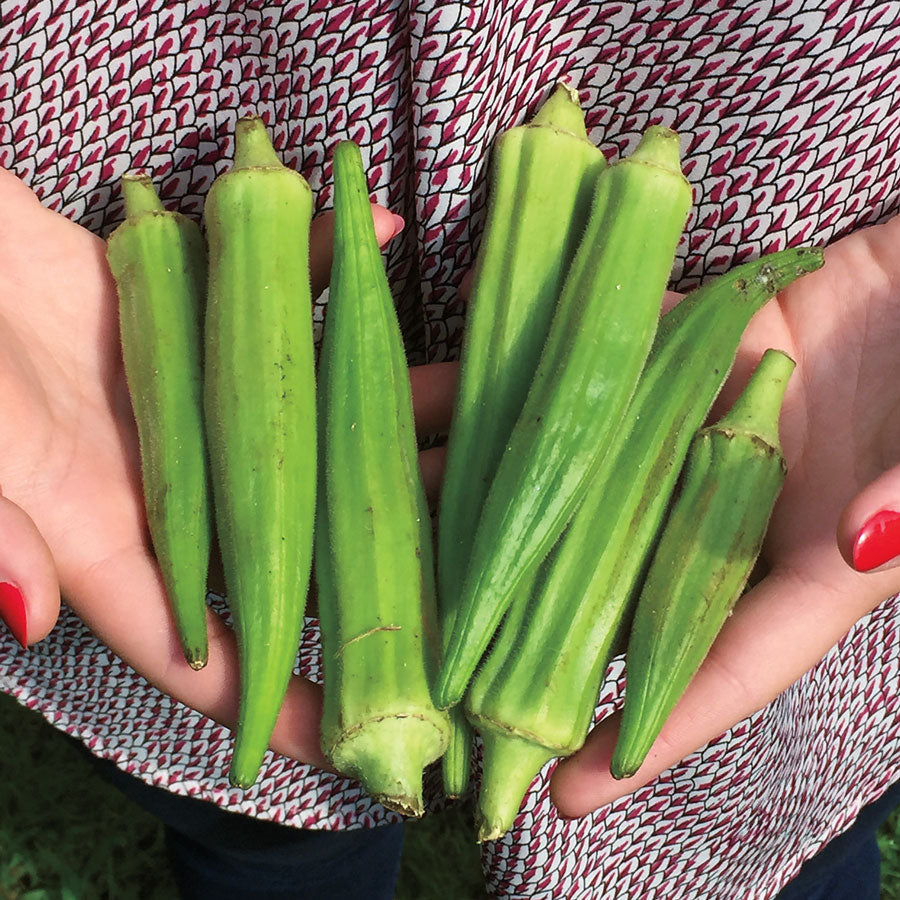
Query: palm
[[69, 458], [839, 430], [69, 452]]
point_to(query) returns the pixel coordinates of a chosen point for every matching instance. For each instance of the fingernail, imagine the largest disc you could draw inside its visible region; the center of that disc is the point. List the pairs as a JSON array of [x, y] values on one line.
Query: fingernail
[[878, 541], [399, 224], [12, 610]]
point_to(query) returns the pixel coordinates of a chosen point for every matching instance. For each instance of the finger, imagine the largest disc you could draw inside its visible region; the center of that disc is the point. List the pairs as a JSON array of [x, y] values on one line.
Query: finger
[[124, 603], [431, 464], [778, 631], [29, 589], [321, 236], [433, 389], [868, 532], [465, 286], [670, 299]]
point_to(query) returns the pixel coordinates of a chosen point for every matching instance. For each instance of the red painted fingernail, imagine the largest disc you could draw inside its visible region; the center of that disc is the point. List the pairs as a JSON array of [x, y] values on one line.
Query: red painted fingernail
[[878, 541], [12, 610]]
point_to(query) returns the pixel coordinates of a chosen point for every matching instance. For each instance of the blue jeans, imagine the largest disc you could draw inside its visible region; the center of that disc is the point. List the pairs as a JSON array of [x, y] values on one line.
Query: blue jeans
[[219, 855], [848, 867]]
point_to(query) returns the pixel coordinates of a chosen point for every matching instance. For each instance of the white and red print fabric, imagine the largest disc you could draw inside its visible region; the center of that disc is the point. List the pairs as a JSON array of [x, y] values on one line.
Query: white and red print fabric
[[790, 116]]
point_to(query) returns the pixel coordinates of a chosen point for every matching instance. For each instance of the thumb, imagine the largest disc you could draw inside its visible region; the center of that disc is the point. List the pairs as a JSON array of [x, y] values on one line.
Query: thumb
[[321, 235], [868, 532], [29, 588]]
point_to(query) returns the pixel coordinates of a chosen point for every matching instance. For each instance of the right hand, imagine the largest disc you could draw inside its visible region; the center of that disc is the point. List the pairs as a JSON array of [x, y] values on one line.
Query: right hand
[[72, 513]]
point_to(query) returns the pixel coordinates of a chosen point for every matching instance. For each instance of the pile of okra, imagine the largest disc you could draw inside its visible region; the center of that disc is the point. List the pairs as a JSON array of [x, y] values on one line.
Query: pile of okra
[[591, 505]]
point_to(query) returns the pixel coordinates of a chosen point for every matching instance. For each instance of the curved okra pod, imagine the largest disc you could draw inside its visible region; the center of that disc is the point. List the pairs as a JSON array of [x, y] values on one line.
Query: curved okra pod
[[261, 420]]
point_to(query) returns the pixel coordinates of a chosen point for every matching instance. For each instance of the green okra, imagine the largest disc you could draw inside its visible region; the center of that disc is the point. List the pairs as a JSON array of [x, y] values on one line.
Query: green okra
[[542, 178], [261, 420], [529, 704], [597, 343], [709, 544], [374, 557], [158, 260]]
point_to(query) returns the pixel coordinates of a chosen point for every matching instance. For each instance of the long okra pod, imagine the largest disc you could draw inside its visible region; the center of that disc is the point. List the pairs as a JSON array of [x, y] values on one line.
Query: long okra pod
[[158, 260], [709, 543], [542, 178], [374, 559], [261, 420], [530, 705], [598, 340]]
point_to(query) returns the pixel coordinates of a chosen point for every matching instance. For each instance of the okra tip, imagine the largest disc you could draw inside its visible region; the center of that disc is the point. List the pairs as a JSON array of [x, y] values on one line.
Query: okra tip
[[196, 657], [347, 153], [625, 763], [510, 765], [239, 778], [139, 195], [252, 147], [658, 146], [758, 407], [562, 110]]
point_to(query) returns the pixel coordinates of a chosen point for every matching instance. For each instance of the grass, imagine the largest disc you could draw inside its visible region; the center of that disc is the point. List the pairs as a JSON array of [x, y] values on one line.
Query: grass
[[889, 844], [67, 835]]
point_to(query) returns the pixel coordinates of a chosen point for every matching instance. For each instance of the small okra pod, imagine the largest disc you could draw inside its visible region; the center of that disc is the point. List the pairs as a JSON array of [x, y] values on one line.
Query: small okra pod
[[158, 260], [710, 542]]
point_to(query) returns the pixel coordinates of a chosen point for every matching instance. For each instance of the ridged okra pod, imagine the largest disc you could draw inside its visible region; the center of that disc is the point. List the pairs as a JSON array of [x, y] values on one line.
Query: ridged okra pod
[[707, 549], [158, 260], [542, 178], [529, 704], [597, 342], [261, 420], [374, 558]]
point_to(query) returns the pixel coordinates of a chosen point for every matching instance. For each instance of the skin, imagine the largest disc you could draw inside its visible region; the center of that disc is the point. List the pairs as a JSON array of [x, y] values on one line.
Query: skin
[[71, 511]]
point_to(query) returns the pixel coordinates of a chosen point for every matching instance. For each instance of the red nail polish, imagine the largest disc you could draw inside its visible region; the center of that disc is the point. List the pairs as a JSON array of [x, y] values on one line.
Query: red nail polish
[[878, 541], [12, 610]]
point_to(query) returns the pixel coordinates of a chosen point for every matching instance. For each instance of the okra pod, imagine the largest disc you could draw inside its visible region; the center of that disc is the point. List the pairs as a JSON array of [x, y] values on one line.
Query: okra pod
[[531, 705], [597, 343], [542, 179], [261, 420], [374, 557], [709, 544], [158, 260]]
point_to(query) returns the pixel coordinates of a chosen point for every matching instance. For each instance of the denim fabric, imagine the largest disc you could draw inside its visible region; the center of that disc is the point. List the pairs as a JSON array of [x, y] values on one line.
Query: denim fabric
[[220, 855], [848, 867]]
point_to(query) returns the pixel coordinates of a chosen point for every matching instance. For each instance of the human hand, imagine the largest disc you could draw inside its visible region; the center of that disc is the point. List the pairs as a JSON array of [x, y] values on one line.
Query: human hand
[[72, 515], [841, 436]]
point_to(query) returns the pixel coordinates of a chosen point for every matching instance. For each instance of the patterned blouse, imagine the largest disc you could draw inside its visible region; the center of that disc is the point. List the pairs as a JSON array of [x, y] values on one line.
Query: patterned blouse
[[790, 120]]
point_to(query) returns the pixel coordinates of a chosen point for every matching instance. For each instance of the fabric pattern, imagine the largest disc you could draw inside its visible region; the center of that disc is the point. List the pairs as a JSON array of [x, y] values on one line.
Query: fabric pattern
[[789, 114]]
